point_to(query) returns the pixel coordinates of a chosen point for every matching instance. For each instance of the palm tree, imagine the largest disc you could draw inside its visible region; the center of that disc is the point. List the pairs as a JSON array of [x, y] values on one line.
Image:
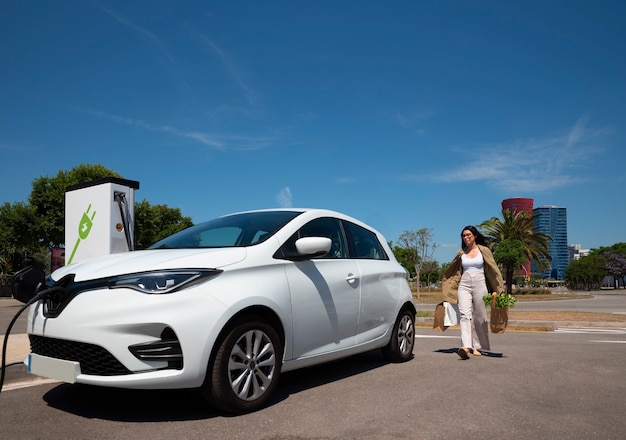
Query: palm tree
[[518, 226]]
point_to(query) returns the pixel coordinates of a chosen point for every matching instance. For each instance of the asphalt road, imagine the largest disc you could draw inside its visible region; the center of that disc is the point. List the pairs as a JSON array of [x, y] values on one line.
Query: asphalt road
[[550, 385], [567, 384]]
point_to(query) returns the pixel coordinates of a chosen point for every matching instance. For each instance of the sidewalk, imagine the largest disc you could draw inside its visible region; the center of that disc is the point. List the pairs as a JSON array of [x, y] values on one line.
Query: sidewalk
[[18, 347]]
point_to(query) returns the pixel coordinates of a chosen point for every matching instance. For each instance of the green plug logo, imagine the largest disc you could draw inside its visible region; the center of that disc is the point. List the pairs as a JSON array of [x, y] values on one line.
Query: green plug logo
[[84, 227]]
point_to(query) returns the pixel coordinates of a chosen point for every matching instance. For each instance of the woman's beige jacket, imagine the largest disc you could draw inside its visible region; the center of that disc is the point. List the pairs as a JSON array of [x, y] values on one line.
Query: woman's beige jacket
[[452, 276]]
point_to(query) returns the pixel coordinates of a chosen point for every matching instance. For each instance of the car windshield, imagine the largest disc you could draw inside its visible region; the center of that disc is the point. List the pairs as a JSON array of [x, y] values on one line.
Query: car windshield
[[234, 230]]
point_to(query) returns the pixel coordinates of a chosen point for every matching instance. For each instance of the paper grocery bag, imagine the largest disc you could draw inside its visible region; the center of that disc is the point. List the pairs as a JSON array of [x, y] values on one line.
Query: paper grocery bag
[[499, 317], [440, 313]]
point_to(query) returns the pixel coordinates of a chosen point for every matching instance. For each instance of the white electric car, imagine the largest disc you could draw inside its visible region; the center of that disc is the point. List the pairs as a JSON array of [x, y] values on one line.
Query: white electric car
[[225, 306]]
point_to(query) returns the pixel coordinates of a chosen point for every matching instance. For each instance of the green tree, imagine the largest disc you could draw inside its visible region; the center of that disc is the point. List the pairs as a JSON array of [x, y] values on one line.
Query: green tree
[[615, 257], [430, 272], [154, 222], [616, 266], [47, 199], [420, 249], [589, 271], [586, 273], [5, 265], [510, 255], [405, 258], [519, 226], [19, 242]]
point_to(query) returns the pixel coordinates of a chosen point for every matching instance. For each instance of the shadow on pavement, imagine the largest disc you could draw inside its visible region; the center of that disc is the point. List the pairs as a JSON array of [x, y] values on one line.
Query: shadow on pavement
[[484, 353], [126, 405]]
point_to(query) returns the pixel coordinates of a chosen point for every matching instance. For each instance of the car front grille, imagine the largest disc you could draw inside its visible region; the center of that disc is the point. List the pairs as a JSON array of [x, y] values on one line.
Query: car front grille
[[93, 359]]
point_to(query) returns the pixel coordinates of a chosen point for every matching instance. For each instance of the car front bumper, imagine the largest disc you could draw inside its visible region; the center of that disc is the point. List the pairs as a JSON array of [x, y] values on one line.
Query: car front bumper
[[113, 337]]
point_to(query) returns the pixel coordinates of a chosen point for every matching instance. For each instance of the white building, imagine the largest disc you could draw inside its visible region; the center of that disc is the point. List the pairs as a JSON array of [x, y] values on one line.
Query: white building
[[575, 252]]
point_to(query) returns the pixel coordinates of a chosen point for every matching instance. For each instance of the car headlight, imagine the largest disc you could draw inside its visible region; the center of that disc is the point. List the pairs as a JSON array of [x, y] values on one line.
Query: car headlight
[[162, 281]]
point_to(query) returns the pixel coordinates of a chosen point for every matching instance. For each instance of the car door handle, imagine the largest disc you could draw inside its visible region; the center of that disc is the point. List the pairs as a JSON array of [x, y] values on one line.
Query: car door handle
[[351, 278]]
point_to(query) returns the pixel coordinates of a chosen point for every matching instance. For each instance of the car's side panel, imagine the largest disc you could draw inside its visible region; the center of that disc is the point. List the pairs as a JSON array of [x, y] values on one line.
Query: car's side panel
[[263, 285], [325, 298], [383, 290], [331, 356]]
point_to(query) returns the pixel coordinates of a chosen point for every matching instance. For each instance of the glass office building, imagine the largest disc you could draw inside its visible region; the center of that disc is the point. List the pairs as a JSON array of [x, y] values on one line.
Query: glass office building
[[552, 221]]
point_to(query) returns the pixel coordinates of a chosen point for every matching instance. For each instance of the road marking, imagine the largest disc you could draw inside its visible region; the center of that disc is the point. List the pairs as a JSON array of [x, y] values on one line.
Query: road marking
[[27, 384], [436, 337], [612, 342], [620, 331]]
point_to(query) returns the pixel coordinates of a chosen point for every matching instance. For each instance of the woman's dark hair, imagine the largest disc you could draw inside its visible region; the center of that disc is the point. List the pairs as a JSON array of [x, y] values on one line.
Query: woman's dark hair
[[479, 238]]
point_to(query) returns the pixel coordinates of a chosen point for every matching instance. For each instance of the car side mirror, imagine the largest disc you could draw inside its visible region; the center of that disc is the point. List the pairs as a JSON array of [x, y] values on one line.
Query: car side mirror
[[26, 283], [312, 247]]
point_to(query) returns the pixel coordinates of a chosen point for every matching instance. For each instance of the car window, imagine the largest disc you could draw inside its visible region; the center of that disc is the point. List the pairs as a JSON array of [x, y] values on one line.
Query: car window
[[219, 237], [260, 236], [243, 229], [321, 227], [365, 243]]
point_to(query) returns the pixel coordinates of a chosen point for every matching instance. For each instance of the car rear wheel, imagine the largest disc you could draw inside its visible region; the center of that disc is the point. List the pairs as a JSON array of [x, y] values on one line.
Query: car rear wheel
[[246, 368], [400, 347]]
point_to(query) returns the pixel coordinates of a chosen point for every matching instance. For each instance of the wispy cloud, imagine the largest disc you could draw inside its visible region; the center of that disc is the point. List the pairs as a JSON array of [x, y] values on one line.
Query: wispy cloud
[[214, 140], [235, 71], [529, 165], [124, 21], [219, 141], [414, 120], [284, 198], [140, 31]]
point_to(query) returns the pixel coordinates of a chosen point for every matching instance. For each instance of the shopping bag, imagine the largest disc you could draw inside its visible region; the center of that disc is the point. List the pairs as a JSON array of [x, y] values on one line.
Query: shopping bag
[[451, 316], [499, 317], [440, 313]]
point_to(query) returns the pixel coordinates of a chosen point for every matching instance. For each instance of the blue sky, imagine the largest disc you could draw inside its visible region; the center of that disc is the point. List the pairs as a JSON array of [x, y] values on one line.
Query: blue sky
[[403, 114]]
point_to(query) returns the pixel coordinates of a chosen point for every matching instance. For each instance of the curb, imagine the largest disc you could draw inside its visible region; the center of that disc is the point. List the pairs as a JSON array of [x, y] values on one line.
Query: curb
[[539, 325]]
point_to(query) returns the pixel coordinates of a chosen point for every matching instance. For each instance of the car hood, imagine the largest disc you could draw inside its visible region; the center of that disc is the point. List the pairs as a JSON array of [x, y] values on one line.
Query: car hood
[[150, 260]]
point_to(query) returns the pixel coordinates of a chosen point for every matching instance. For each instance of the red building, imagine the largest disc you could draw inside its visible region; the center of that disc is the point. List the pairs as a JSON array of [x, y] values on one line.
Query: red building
[[520, 204]]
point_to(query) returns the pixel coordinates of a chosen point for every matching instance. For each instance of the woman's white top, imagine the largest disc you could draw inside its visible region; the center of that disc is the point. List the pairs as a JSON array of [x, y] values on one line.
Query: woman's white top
[[472, 264]]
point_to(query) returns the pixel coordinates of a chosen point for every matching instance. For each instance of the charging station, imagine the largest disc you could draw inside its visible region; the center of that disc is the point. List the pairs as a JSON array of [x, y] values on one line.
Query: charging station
[[99, 218]]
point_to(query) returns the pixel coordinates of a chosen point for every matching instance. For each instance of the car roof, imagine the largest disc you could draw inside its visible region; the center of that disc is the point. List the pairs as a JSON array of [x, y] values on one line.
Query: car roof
[[312, 213]]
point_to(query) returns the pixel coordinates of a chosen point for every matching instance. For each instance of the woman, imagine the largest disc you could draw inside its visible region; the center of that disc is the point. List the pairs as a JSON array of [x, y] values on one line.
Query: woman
[[472, 274]]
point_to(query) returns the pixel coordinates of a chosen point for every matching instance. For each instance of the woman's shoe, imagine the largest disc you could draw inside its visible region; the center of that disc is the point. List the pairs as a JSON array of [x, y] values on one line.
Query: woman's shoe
[[477, 353], [463, 353]]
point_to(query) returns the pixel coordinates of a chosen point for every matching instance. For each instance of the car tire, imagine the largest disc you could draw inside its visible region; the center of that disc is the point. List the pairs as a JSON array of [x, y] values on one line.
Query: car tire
[[246, 368], [400, 347]]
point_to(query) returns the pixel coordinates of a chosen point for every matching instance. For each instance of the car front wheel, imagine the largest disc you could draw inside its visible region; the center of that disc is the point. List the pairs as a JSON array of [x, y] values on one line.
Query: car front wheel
[[246, 368], [400, 347]]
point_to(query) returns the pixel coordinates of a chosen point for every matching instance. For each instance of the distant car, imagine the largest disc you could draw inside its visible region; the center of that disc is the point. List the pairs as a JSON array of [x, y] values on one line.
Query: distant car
[[225, 306]]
